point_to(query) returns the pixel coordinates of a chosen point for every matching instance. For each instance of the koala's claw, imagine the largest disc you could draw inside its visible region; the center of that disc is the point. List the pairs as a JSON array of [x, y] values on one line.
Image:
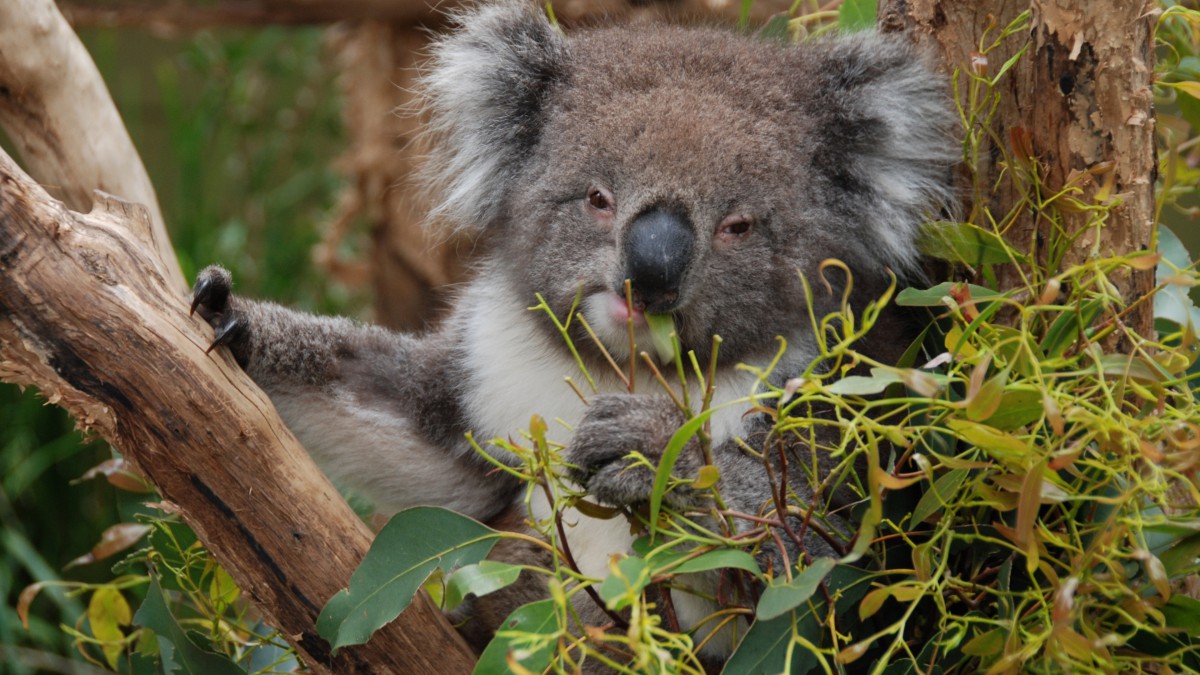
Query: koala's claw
[[211, 292], [227, 330], [213, 300]]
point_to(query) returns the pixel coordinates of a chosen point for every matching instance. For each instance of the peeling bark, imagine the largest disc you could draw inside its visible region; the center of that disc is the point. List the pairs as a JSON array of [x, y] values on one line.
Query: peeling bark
[[91, 317], [1082, 97]]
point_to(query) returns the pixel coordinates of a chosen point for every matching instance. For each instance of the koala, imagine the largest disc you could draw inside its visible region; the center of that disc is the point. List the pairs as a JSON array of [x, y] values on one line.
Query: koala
[[709, 170]]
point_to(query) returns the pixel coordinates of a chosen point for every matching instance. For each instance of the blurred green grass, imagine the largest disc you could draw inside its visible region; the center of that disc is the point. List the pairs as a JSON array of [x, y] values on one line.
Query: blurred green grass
[[239, 131]]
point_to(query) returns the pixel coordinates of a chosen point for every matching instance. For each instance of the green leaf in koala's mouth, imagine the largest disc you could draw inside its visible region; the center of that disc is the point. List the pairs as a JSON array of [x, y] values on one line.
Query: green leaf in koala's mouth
[[662, 326]]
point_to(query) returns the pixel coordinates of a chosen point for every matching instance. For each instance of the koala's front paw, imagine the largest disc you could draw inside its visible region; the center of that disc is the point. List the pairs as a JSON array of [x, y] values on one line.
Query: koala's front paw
[[212, 298], [616, 425]]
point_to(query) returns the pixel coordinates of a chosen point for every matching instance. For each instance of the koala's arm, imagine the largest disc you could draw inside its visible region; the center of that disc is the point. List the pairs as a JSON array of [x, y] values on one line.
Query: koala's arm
[[379, 411], [617, 424]]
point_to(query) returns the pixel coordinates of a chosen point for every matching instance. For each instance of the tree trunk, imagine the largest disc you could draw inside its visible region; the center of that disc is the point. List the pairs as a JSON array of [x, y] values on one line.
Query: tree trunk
[[91, 316], [1080, 99]]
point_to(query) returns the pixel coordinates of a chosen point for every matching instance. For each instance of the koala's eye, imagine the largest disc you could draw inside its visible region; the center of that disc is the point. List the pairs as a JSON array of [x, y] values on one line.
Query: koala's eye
[[600, 199], [734, 227]]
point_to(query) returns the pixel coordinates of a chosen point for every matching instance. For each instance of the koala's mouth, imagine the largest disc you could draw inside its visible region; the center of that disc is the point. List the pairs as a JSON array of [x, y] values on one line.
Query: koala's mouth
[[609, 316]]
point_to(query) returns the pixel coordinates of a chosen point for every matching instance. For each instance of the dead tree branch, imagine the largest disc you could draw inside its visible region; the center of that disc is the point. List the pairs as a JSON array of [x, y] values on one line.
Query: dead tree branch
[[90, 316]]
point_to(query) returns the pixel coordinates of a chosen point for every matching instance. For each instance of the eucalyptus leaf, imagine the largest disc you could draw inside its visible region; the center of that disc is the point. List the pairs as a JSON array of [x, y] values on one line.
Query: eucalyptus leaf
[[932, 297], [413, 544], [966, 243], [778, 599], [487, 576], [179, 653], [864, 385], [1173, 302], [666, 560], [943, 489], [526, 636], [1067, 327], [662, 327], [767, 647], [670, 455], [624, 583]]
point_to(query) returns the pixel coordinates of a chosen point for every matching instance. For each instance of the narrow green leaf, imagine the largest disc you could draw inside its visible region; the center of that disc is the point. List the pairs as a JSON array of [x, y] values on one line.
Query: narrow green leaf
[[1001, 446], [527, 635], [932, 297], [1066, 328], [778, 599], [404, 553], [943, 489], [179, 653], [480, 579], [662, 327], [987, 400], [864, 385], [966, 243], [624, 583], [666, 463], [666, 560]]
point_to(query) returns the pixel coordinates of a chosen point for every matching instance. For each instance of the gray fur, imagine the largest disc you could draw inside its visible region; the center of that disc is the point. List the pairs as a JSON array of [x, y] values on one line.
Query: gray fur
[[834, 149]]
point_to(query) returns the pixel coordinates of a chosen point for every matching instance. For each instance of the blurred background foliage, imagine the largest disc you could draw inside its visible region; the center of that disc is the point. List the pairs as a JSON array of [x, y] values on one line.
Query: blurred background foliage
[[239, 131]]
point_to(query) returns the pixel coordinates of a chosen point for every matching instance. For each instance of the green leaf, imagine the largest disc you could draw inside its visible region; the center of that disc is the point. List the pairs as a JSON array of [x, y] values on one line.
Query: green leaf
[[943, 489], [767, 645], [624, 583], [1183, 557], [662, 327], [404, 553], [480, 579], [527, 635], [987, 400], [1018, 407], [1001, 446], [966, 243], [986, 644], [856, 15], [179, 653], [665, 560], [1066, 328], [667, 462], [932, 297], [864, 385], [107, 611], [778, 599]]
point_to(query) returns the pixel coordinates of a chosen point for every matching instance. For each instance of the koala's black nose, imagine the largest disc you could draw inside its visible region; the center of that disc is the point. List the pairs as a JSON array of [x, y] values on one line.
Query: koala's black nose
[[657, 250]]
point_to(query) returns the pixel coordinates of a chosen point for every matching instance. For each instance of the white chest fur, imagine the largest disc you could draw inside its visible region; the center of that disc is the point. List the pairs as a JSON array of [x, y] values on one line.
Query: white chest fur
[[516, 371]]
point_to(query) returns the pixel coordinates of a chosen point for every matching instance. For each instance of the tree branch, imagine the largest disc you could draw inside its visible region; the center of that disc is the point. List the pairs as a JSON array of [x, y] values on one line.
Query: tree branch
[[90, 316], [56, 110]]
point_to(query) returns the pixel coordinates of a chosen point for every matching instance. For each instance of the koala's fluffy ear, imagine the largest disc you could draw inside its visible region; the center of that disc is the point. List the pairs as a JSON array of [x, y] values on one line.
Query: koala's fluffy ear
[[888, 130], [485, 89]]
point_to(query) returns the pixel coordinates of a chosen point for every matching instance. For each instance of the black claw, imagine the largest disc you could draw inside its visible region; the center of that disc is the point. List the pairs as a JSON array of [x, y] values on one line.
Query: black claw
[[199, 294], [211, 293], [229, 329]]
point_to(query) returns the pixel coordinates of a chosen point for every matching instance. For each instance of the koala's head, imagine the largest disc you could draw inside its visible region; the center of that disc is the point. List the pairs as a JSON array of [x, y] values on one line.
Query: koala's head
[[708, 169]]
